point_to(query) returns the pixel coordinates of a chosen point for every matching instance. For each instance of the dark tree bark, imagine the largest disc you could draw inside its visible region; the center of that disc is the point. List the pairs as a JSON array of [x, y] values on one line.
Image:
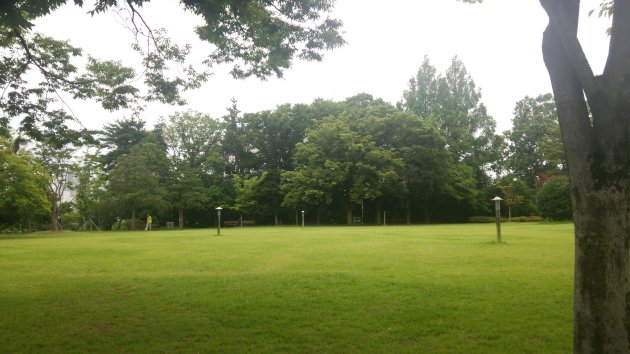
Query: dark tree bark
[[133, 219], [348, 214], [598, 154]]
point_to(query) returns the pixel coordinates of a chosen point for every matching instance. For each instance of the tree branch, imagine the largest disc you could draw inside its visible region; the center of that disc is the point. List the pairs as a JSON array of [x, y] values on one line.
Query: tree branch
[[31, 59], [619, 54], [562, 18]]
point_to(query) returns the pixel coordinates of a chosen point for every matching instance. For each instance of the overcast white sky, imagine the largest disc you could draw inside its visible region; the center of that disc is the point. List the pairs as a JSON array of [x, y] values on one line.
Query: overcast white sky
[[498, 41]]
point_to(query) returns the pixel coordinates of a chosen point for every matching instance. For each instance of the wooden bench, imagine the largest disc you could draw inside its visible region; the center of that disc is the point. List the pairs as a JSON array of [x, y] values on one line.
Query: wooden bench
[[238, 222]]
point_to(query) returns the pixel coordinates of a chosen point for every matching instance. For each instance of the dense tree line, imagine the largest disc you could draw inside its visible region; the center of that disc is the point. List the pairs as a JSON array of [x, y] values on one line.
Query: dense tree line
[[433, 157]]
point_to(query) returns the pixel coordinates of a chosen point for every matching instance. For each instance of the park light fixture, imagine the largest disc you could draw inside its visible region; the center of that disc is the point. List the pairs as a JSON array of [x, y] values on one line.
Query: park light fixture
[[219, 220], [497, 209], [302, 218]]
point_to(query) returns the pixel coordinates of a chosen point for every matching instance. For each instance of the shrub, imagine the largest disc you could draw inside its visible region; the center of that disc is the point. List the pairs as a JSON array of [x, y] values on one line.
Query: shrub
[[70, 218], [481, 219], [526, 219], [554, 199]]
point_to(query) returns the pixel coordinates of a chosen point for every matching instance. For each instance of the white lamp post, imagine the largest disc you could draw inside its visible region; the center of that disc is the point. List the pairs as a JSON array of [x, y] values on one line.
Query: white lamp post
[[219, 220], [302, 218], [497, 210]]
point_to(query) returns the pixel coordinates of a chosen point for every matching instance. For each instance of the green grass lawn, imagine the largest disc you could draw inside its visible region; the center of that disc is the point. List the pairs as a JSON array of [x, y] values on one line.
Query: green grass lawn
[[394, 289]]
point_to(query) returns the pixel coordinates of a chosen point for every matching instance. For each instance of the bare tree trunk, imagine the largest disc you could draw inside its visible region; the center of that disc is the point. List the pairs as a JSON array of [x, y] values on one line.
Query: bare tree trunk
[[54, 219], [181, 218], [598, 155], [133, 219]]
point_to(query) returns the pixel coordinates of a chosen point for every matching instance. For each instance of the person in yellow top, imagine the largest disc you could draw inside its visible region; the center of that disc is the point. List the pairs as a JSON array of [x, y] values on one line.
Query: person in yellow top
[[149, 222]]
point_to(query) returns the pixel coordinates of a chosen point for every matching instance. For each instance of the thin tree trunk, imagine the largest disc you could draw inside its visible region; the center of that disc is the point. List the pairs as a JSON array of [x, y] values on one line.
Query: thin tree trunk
[[599, 161], [181, 218], [133, 219], [408, 216]]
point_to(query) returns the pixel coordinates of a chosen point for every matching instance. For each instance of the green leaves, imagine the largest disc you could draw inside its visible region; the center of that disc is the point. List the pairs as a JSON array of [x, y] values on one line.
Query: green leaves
[[535, 145], [23, 183], [108, 82], [258, 38], [262, 38]]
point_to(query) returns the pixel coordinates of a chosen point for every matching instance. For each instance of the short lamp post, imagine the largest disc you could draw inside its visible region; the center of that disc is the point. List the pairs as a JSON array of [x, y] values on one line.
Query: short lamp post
[[302, 218], [497, 210], [219, 220]]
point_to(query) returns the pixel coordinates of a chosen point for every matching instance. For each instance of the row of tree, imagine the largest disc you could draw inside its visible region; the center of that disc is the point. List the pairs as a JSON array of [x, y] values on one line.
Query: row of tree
[[435, 156]]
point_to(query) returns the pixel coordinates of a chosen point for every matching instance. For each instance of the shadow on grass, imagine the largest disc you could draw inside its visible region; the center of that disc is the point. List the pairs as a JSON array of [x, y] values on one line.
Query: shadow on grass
[[495, 243]]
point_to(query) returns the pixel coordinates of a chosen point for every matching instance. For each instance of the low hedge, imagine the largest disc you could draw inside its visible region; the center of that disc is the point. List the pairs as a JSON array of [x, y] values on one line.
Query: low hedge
[[492, 219]]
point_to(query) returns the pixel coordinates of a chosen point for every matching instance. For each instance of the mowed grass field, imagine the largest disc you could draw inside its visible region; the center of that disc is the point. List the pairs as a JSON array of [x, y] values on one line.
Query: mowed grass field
[[394, 289]]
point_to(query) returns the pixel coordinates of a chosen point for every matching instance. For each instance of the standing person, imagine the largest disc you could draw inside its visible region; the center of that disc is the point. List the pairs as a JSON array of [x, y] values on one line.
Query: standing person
[[149, 222]]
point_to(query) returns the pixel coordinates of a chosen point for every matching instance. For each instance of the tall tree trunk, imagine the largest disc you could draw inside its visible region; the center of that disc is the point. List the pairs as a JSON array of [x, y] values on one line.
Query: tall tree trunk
[[598, 155], [349, 214], [181, 218], [408, 213], [133, 219], [276, 221]]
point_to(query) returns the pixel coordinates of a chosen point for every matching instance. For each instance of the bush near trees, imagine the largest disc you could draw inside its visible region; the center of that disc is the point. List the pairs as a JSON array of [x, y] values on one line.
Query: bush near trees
[[554, 199]]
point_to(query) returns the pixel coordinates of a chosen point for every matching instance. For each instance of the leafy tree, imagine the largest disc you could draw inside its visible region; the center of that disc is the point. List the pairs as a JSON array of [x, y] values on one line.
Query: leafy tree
[[23, 184], [422, 148], [452, 102], [535, 145], [90, 187], [340, 160], [511, 197], [554, 199], [120, 137], [422, 95], [192, 137], [274, 134], [58, 165], [134, 183], [245, 201], [185, 189]]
